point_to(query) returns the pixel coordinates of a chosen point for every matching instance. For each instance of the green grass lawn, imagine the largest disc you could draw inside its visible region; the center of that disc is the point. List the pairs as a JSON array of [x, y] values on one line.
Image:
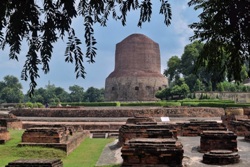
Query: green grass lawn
[[87, 154]]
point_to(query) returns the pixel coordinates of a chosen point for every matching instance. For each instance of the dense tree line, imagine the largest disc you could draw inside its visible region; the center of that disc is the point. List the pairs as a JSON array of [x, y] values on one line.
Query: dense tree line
[[186, 75], [11, 92], [224, 27]]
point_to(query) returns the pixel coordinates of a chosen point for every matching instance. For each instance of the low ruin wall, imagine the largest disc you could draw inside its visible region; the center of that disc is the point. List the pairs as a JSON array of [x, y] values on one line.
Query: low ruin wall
[[121, 112]]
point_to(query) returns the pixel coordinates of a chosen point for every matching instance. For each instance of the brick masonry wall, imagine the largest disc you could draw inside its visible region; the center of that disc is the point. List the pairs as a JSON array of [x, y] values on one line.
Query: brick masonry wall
[[137, 74], [15, 124], [121, 112], [134, 88], [4, 134]]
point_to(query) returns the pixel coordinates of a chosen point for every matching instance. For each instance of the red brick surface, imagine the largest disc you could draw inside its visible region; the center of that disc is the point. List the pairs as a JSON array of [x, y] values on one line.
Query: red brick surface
[[137, 74]]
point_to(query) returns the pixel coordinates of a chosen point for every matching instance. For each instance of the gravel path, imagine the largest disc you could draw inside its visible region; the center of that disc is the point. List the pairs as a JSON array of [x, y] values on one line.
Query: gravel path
[[111, 155]]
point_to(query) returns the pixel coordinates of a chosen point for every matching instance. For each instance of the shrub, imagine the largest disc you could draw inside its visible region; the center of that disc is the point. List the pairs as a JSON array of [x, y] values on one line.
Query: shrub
[[160, 103], [40, 105], [169, 104], [140, 104], [20, 105], [29, 104], [118, 104], [206, 100], [91, 104], [35, 105]]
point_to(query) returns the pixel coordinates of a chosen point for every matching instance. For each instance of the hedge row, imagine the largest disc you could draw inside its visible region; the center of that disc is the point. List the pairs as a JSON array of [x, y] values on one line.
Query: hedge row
[[161, 103], [91, 104], [30, 105], [185, 102], [214, 104], [206, 100]]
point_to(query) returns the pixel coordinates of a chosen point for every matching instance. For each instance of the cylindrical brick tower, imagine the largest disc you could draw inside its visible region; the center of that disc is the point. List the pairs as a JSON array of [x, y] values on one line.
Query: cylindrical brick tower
[[137, 75]]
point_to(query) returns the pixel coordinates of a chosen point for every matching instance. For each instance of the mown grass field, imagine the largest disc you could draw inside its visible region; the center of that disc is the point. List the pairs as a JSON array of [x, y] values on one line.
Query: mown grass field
[[86, 155]]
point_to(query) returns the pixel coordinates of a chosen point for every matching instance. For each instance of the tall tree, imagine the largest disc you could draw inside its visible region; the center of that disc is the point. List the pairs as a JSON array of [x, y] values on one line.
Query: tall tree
[[11, 90], [76, 93], [214, 59], [173, 68], [226, 24], [94, 95], [185, 65], [188, 61], [189, 57], [42, 23]]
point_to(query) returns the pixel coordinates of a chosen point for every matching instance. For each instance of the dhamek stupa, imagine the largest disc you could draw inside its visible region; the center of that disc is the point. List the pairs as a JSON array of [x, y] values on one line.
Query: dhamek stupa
[[137, 75]]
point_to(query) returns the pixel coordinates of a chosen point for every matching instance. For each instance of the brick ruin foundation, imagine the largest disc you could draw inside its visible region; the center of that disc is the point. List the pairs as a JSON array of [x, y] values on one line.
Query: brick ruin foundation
[[46, 135], [149, 152], [10, 121], [7, 121], [239, 124], [221, 157], [145, 127], [62, 137], [218, 140], [247, 111], [146, 143], [138, 134], [220, 147], [196, 127], [4, 135], [36, 163]]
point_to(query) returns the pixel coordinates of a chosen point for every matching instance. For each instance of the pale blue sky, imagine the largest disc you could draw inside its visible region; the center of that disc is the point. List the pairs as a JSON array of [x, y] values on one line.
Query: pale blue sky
[[171, 40]]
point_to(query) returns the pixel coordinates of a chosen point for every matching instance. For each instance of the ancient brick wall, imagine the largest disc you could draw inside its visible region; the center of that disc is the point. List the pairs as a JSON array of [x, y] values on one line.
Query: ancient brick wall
[[121, 112], [133, 88], [44, 135], [129, 131], [65, 138], [74, 143], [4, 135], [15, 124]]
